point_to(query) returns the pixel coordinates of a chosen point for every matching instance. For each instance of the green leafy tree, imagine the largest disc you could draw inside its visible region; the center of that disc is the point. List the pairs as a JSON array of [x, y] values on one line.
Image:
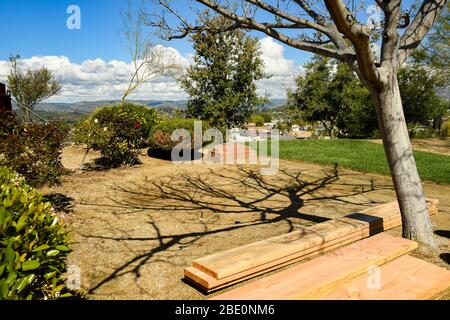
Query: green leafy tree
[[257, 119], [357, 117], [221, 82], [30, 87], [334, 98], [418, 83], [267, 116], [311, 97], [437, 45]]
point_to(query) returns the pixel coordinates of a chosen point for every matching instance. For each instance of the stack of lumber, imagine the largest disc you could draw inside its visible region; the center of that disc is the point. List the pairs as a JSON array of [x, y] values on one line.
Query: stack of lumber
[[232, 266], [344, 274]]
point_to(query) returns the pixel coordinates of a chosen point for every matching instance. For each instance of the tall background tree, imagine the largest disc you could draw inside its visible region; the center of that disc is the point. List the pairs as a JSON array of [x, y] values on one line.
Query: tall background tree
[[332, 29], [30, 87], [330, 93], [419, 82], [437, 44], [221, 82]]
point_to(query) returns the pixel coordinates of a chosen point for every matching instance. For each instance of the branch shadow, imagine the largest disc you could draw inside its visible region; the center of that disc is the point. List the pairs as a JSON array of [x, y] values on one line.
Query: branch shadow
[[189, 197], [60, 202]]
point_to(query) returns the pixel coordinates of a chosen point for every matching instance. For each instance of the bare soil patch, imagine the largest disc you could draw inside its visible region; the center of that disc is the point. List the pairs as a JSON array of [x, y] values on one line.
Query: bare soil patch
[[433, 145], [135, 229]]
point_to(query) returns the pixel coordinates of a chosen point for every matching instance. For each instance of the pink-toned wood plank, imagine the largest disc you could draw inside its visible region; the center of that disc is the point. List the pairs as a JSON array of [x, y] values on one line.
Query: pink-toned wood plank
[[405, 278], [312, 278], [227, 263], [209, 283]]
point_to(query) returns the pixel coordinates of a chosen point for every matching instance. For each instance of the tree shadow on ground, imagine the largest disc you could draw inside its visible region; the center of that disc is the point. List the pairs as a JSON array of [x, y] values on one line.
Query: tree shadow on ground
[[104, 164], [60, 202], [194, 195], [443, 233], [445, 257]]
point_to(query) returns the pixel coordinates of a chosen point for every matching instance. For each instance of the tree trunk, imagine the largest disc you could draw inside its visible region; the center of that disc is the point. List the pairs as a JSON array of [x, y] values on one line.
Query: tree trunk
[[26, 114], [416, 221]]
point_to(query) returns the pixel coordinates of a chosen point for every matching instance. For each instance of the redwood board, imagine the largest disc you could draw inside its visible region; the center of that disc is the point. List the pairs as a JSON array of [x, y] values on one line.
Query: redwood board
[[405, 278], [231, 266], [311, 279]]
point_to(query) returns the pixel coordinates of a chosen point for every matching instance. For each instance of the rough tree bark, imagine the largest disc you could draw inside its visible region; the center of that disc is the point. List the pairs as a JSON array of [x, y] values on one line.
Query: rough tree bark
[[416, 221]]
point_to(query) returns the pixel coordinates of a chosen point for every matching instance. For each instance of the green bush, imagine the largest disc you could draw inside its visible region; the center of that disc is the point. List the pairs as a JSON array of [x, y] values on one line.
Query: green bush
[[33, 245], [160, 136], [258, 120], [33, 150], [446, 129], [118, 132]]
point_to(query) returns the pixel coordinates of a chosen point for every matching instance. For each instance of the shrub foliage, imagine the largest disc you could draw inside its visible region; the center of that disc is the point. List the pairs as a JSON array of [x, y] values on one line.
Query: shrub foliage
[[33, 150], [118, 132], [33, 244]]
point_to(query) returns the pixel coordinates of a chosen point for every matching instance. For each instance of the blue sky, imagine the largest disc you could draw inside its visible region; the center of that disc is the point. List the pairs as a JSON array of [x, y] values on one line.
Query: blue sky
[[38, 27], [91, 62]]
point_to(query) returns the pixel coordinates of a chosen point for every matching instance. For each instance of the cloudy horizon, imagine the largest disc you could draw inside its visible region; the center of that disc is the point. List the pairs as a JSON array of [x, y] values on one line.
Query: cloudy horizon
[[97, 79]]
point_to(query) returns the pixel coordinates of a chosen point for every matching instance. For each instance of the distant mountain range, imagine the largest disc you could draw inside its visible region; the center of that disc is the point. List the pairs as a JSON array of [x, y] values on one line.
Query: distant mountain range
[[89, 106]]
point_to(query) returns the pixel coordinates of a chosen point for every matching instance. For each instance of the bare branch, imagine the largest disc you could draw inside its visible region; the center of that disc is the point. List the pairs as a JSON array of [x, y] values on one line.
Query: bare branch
[[390, 34], [313, 14], [419, 27], [282, 14], [359, 37]]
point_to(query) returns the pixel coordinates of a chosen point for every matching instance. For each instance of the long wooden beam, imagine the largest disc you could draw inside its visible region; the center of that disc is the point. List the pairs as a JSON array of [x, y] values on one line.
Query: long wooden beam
[[229, 267]]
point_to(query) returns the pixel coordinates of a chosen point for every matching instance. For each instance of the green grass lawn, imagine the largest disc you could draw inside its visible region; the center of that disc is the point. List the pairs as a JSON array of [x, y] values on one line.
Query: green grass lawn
[[362, 155]]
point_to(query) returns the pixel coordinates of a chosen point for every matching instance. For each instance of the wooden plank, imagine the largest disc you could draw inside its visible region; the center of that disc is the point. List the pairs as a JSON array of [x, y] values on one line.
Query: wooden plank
[[405, 278], [370, 218], [209, 283], [312, 278], [236, 260]]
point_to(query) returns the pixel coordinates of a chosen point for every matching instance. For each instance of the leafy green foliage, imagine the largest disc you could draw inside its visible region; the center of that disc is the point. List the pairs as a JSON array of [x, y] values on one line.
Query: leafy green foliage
[[33, 150], [446, 129], [267, 116], [418, 83], [118, 132], [33, 244], [257, 119], [438, 41], [335, 99], [160, 140], [221, 82], [357, 118], [30, 87]]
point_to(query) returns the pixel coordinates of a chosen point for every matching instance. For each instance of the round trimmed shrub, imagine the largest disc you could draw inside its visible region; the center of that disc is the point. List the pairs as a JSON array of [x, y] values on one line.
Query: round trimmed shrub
[[118, 132], [160, 138], [33, 244]]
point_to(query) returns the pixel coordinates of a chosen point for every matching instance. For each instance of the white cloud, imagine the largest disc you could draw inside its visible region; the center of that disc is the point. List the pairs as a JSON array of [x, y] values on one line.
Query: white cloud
[[97, 79]]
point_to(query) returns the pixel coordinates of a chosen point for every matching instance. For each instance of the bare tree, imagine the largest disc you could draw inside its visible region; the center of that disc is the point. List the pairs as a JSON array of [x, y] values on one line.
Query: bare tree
[[29, 87], [149, 60], [330, 28]]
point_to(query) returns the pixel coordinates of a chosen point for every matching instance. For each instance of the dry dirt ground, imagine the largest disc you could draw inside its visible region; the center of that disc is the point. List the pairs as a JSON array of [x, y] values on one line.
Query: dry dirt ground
[[435, 145], [134, 229]]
